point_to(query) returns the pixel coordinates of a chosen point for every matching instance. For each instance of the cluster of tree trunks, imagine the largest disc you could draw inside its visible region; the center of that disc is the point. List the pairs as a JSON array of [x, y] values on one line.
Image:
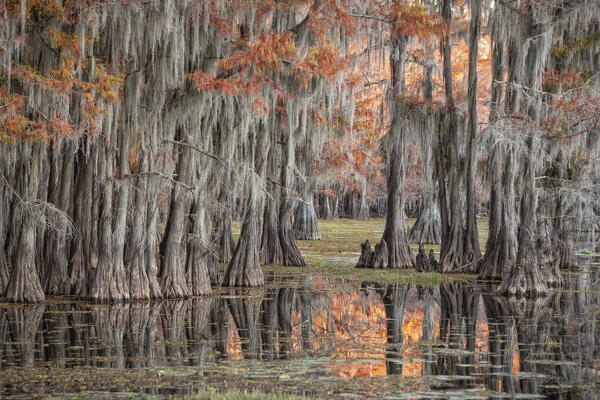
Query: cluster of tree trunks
[[121, 209], [531, 205], [124, 210]]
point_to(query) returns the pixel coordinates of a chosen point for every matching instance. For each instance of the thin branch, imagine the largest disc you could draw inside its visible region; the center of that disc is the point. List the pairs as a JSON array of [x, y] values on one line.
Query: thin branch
[[367, 16], [207, 154], [160, 175]]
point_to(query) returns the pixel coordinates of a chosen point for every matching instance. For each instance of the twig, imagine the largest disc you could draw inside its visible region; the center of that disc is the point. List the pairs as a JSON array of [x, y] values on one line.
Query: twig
[[160, 175], [466, 265], [211, 155], [367, 16]]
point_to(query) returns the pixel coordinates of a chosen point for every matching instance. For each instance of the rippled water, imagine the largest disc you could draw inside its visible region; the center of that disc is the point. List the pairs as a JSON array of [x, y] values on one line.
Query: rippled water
[[317, 336]]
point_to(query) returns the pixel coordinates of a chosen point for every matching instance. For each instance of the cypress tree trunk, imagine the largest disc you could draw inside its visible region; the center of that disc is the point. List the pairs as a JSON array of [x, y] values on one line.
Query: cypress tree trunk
[[305, 220], [198, 280], [457, 250], [561, 237], [535, 265], [394, 250], [244, 268], [271, 251], [56, 280], [84, 259], [335, 210], [326, 209], [221, 237], [399, 253], [152, 243], [173, 281], [472, 251], [225, 241], [270, 246], [5, 217], [137, 275], [526, 277], [363, 211], [110, 283], [291, 253], [427, 228], [501, 248], [24, 285], [119, 234]]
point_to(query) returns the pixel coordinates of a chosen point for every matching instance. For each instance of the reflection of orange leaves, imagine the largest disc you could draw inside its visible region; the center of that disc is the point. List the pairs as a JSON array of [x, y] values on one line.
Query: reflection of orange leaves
[[353, 369]]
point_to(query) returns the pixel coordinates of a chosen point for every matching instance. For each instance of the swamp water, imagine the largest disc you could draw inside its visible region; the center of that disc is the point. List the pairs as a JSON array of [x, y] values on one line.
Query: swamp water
[[316, 334]]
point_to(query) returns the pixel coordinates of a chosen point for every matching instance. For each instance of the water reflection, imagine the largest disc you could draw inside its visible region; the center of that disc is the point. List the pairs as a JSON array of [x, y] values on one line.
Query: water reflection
[[458, 336]]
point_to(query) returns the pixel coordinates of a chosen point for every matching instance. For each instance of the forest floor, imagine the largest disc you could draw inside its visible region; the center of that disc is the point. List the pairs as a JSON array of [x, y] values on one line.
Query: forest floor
[[336, 254]]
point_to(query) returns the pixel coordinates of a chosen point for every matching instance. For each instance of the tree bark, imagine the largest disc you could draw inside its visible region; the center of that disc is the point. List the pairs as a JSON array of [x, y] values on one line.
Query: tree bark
[[56, 280], [427, 227], [198, 279], [173, 281], [399, 253], [245, 266], [84, 258], [291, 253], [305, 220], [457, 252], [502, 245], [363, 211], [472, 251], [137, 274], [394, 243], [24, 285], [271, 251], [110, 282]]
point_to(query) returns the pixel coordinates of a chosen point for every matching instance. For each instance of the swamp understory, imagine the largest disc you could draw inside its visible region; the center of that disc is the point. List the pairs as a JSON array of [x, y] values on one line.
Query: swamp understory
[[325, 331], [322, 199]]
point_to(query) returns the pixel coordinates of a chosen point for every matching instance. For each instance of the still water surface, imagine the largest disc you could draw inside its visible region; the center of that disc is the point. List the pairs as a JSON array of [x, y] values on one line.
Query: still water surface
[[315, 335]]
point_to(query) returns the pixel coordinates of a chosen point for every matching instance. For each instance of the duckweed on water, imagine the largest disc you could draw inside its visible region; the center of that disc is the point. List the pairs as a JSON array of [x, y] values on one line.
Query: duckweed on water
[[212, 394]]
